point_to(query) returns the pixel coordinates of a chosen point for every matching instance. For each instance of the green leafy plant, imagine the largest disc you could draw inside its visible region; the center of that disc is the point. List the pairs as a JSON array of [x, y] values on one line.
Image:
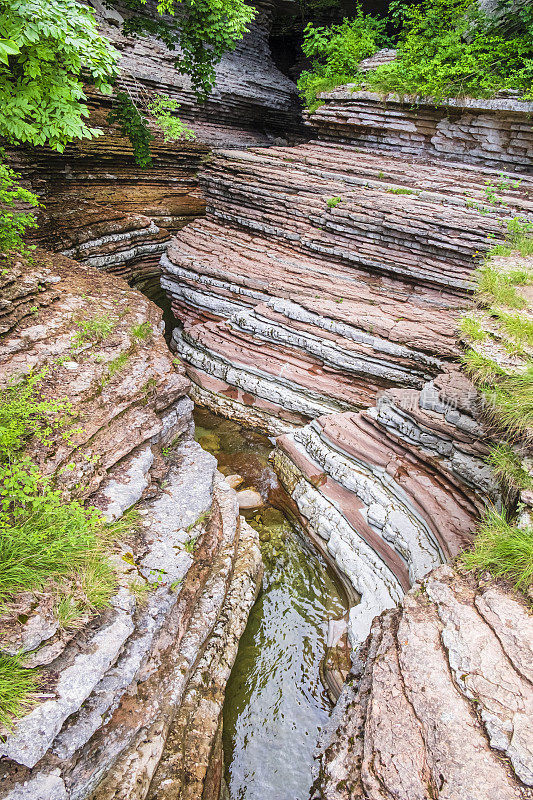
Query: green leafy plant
[[133, 125], [50, 47], [450, 48], [14, 219], [337, 51], [163, 109], [199, 31], [446, 48], [333, 202]]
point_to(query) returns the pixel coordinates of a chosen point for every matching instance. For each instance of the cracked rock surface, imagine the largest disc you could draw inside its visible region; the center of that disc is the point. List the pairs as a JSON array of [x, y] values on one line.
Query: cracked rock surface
[[439, 703]]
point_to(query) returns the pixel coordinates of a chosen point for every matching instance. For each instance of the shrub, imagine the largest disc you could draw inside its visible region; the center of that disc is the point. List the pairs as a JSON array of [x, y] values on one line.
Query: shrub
[[446, 48], [337, 51], [450, 48]]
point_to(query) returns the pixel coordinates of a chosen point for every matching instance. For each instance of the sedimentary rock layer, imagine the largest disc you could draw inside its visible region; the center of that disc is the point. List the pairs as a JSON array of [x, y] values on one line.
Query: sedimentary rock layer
[[439, 704], [393, 491], [297, 308], [100, 206], [113, 683], [494, 133]]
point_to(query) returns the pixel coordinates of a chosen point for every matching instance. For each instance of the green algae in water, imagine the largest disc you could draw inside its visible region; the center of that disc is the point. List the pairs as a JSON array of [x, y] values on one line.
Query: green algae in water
[[275, 703]]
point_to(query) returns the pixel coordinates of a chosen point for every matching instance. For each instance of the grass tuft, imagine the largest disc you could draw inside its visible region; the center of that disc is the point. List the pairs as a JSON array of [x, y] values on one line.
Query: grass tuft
[[505, 550], [16, 687], [472, 329], [511, 402], [497, 288], [507, 466], [142, 331], [480, 368], [93, 330]]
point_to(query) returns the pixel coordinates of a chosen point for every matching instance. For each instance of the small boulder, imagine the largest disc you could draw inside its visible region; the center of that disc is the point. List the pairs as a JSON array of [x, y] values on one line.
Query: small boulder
[[248, 499], [234, 480]]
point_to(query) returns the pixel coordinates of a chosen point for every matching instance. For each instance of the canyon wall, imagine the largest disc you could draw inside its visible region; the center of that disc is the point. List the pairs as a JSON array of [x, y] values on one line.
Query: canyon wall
[[117, 684], [319, 299], [105, 211]]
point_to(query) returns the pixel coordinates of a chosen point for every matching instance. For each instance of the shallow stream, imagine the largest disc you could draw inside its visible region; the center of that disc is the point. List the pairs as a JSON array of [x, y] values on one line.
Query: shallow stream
[[275, 702]]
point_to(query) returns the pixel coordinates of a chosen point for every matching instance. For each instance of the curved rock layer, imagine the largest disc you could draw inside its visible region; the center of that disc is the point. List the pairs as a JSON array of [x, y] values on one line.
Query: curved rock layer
[[121, 683], [439, 704], [324, 287], [297, 308]]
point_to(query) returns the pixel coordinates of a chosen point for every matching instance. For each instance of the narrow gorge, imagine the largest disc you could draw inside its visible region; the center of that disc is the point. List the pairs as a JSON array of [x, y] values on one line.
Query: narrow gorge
[[290, 617]]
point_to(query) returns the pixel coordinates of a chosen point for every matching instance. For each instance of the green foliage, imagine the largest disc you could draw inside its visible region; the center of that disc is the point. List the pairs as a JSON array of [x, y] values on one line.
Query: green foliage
[[16, 686], [49, 48], [25, 413], [142, 331], [480, 368], [117, 364], [93, 330], [333, 202], [516, 326], [14, 220], [446, 48], [44, 540], [162, 110], [134, 126], [503, 549], [450, 48], [201, 31], [400, 191], [472, 329], [337, 51], [496, 287], [510, 401]]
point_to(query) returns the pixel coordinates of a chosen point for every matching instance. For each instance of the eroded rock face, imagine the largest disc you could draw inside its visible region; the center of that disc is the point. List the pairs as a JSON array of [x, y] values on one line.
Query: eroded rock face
[[292, 308], [439, 704], [319, 301], [116, 682], [104, 210], [492, 133]]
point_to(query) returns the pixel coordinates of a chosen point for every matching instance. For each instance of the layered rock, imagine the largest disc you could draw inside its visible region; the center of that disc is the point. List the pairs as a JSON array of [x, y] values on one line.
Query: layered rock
[[393, 491], [310, 308], [324, 287], [494, 133], [439, 704], [115, 687], [100, 206]]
